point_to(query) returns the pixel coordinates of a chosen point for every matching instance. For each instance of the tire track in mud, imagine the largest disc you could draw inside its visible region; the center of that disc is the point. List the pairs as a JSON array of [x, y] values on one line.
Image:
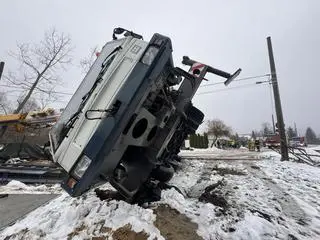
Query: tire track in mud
[[210, 173], [290, 207], [202, 182], [256, 192], [211, 188]]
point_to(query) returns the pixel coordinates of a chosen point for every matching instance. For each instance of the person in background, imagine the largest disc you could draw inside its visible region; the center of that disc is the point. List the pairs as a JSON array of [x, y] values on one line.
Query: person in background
[[218, 144], [257, 144]]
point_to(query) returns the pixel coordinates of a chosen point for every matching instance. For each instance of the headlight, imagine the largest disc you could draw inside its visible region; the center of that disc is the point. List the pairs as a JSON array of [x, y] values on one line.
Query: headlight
[[82, 166], [150, 54]]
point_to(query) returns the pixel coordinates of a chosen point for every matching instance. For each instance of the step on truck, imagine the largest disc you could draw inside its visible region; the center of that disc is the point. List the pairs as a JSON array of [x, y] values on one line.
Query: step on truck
[[129, 116]]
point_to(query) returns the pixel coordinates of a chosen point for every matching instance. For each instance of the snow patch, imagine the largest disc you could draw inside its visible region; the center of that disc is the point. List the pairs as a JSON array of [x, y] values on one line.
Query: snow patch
[[270, 155], [63, 215], [16, 187], [253, 227]]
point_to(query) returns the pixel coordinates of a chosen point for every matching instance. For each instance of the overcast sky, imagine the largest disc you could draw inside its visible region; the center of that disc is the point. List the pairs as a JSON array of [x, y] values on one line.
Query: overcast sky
[[225, 34]]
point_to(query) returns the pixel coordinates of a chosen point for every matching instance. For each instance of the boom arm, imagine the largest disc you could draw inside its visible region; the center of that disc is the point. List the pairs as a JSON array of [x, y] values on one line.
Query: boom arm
[[230, 77]]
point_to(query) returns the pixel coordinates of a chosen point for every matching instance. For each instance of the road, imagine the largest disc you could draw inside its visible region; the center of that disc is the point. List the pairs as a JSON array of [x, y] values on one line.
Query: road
[[16, 206]]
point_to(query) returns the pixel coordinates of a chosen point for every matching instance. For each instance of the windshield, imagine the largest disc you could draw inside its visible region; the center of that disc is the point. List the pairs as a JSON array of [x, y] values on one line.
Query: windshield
[[87, 84]]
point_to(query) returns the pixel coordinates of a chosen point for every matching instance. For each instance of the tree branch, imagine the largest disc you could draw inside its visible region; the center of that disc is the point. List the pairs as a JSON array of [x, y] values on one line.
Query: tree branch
[[43, 60]]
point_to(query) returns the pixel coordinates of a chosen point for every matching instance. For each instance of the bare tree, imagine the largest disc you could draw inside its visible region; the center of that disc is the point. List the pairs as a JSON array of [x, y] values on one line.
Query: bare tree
[[31, 105], [255, 134], [5, 105], [45, 99], [218, 128], [311, 136], [87, 62], [266, 129], [290, 132], [39, 64]]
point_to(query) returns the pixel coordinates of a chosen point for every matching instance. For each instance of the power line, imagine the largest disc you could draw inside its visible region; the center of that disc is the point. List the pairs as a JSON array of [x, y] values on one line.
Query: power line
[[38, 98], [227, 89], [210, 84], [20, 88], [238, 80], [201, 93]]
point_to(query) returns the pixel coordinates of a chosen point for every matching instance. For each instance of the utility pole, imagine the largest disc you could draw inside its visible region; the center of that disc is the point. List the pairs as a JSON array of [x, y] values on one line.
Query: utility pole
[[273, 124], [1, 68], [295, 130], [277, 101]]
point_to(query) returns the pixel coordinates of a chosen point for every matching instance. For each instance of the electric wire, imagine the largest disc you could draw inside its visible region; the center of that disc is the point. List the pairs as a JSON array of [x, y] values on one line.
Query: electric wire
[[238, 80], [231, 88], [25, 89]]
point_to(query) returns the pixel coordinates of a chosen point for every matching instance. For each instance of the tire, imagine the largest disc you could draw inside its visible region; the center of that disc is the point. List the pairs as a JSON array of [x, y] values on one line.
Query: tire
[[195, 118], [195, 114], [163, 173]]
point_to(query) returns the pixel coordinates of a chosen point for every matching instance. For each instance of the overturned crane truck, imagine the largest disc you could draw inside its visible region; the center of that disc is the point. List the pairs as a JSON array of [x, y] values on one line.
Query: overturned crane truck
[[127, 120]]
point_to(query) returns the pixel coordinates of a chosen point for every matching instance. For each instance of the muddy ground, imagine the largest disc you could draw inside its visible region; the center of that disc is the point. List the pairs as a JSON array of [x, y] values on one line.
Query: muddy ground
[[247, 198], [238, 188]]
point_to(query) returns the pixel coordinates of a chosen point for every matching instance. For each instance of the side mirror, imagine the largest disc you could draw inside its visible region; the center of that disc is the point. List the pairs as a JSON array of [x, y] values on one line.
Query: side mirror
[[118, 30], [126, 32]]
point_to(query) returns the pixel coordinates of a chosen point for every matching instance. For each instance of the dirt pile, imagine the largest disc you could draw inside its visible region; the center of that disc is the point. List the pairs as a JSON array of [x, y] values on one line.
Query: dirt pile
[[102, 233], [174, 225], [125, 233]]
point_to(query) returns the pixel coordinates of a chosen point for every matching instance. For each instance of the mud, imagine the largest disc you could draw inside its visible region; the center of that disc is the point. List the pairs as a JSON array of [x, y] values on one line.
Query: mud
[[101, 233], [212, 195], [125, 233], [175, 226], [17, 235], [108, 195], [76, 232], [225, 195], [261, 214]]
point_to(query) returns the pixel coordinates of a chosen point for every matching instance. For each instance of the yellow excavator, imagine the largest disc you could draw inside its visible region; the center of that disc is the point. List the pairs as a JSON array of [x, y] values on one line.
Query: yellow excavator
[[15, 120], [36, 119], [33, 126]]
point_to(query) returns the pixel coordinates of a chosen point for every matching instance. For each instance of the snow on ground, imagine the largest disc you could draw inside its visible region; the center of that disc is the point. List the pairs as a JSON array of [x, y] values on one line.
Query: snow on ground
[[81, 218], [262, 198], [259, 206], [302, 183], [315, 151], [312, 151], [201, 152], [214, 152], [16, 187], [267, 198]]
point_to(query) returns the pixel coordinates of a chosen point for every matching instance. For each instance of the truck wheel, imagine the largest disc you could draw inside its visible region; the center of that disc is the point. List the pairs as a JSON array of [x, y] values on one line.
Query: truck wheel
[[163, 173], [195, 114], [195, 118]]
